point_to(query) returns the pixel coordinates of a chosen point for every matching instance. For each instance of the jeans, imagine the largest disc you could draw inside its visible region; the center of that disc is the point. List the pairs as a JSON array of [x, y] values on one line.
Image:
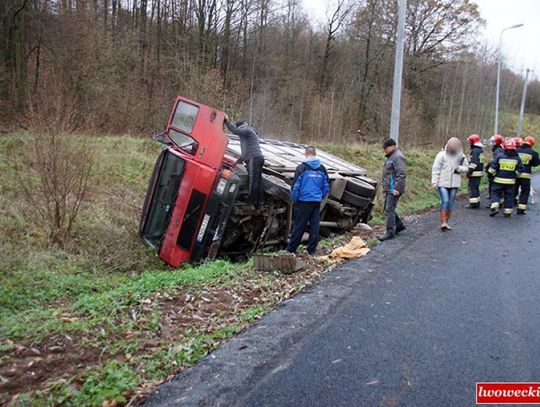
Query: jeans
[[305, 212], [392, 218], [448, 195]]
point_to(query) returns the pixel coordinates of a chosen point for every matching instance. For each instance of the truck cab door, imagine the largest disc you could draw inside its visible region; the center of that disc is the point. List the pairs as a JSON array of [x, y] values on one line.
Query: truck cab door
[[197, 130]]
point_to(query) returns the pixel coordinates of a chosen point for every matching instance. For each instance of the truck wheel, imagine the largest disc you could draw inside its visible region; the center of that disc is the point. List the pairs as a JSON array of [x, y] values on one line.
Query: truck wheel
[[370, 181], [361, 202], [360, 188]]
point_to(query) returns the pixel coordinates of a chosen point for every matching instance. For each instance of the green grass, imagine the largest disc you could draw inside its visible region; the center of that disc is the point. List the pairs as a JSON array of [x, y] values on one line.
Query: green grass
[[530, 125], [419, 194], [108, 303]]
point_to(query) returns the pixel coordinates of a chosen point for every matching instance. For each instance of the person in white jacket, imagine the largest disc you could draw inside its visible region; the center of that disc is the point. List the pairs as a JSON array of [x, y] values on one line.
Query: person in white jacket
[[448, 167]]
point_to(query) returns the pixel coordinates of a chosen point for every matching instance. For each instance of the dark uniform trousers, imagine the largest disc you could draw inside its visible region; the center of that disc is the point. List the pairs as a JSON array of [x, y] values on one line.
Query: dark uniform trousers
[[523, 189], [474, 189], [503, 191]]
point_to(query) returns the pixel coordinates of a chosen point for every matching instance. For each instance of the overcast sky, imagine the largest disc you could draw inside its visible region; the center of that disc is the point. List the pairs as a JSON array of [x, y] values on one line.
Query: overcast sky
[[521, 46]]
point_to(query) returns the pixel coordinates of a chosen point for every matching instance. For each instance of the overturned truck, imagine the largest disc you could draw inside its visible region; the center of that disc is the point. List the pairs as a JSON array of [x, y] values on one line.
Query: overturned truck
[[196, 203]]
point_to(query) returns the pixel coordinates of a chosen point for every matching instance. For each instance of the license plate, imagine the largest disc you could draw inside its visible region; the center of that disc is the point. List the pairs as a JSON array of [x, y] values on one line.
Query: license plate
[[204, 225]]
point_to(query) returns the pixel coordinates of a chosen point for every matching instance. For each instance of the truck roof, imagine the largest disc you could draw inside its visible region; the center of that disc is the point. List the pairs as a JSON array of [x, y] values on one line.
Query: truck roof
[[285, 156]]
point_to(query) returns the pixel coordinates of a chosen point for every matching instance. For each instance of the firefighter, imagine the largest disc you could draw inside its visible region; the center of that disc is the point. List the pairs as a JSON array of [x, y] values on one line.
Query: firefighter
[[505, 168], [476, 170], [530, 159], [496, 142]]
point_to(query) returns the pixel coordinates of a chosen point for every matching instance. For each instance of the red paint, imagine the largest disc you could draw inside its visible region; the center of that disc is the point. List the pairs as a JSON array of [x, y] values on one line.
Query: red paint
[[200, 172]]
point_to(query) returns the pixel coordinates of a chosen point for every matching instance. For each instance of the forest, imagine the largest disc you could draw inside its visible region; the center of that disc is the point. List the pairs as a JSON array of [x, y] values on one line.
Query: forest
[[114, 67]]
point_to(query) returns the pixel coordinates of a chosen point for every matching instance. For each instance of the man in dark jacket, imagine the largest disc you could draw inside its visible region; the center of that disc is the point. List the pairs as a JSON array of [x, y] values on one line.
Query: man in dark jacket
[[476, 170], [496, 142], [505, 168], [393, 184], [250, 155], [530, 159], [310, 187]]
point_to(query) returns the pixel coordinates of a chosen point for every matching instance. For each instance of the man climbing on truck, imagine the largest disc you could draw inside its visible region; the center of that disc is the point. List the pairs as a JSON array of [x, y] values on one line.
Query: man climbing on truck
[[251, 155]]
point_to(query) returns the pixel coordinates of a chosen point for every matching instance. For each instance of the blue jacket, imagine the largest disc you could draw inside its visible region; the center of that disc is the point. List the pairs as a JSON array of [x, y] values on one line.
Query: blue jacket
[[311, 183]]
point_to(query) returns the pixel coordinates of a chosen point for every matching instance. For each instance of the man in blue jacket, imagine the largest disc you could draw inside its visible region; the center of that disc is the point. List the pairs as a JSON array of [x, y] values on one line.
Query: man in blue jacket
[[310, 186]]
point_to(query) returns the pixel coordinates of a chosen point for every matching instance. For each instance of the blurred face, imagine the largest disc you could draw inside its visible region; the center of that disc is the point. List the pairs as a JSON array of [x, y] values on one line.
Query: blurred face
[[389, 149], [454, 146]]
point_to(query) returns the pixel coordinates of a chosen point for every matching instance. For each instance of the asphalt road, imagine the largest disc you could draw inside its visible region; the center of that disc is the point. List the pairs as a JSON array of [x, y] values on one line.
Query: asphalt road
[[415, 323]]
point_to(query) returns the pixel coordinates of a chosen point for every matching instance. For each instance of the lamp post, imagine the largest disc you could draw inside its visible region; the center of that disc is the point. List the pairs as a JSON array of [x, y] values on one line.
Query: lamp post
[[499, 58], [523, 98], [398, 69]]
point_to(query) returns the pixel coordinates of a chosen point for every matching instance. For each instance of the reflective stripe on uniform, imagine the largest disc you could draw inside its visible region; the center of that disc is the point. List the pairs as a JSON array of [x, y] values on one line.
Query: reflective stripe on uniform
[[477, 174], [523, 207], [525, 158], [474, 200], [525, 175], [494, 205], [505, 181], [508, 210], [508, 164]]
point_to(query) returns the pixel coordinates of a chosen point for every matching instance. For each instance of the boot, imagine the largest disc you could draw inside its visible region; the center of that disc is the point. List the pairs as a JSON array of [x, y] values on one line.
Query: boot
[[387, 236], [448, 214], [444, 219], [400, 228], [520, 211]]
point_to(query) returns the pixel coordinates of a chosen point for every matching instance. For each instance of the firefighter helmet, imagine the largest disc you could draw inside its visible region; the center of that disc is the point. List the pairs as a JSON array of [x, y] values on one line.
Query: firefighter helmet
[[529, 140], [473, 139], [497, 140], [518, 141], [509, 144]]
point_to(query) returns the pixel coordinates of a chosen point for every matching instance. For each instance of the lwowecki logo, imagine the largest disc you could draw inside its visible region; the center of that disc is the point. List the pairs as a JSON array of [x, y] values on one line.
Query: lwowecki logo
[[508, 393]]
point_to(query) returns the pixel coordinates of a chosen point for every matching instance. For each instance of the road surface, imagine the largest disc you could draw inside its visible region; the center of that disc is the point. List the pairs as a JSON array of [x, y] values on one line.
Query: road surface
[[415, 323]]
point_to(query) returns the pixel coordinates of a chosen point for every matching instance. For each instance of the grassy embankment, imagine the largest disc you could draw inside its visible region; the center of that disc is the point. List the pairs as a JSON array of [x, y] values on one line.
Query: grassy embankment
[[104, 317]]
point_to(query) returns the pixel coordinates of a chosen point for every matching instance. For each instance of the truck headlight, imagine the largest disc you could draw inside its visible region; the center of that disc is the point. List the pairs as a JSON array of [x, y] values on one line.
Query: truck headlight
[[222, 183]]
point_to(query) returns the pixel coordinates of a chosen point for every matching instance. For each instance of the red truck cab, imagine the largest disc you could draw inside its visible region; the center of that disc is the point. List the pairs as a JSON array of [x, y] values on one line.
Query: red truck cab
[[192, 188]]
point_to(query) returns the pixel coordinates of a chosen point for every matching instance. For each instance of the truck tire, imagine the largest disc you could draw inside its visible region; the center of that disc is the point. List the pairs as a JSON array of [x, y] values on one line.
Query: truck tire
[[360, 188], [351, 198], [370, 181]]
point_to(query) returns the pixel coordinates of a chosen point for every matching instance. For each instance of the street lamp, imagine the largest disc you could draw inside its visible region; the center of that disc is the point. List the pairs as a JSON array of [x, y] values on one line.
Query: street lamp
[[398, 70], [499, 76], [523, 98]]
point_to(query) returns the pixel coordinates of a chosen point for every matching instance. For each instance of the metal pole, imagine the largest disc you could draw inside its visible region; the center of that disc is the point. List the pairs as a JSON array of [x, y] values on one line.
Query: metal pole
[[398, 70], [522, 107], [499, 58], [496, 130]]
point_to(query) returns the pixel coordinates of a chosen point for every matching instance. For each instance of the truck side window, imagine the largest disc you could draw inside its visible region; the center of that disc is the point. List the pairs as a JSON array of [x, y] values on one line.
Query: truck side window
[[184, 117]]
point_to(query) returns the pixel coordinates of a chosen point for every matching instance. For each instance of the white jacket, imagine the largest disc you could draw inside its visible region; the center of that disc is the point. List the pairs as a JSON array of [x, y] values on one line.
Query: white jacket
[[445, 166]]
